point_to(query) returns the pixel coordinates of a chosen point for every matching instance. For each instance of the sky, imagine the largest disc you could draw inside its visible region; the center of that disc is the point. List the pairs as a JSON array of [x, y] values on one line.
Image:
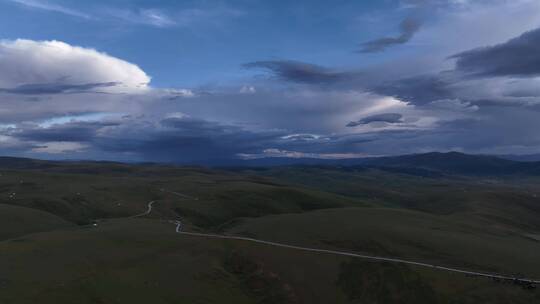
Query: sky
[[200, 81]]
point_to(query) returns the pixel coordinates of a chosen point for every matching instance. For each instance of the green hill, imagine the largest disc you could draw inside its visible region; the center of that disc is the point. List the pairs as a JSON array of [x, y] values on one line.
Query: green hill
[[411, 235], [142, 261], [487, 224], [18, 221]]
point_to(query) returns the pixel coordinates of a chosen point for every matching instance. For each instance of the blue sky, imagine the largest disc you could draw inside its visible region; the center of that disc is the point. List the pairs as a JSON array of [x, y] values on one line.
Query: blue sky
[[195, 81], [203, 42]]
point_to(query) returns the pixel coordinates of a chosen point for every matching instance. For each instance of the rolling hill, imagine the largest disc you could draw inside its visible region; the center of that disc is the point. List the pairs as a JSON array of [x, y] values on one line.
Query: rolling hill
[[484, 222]]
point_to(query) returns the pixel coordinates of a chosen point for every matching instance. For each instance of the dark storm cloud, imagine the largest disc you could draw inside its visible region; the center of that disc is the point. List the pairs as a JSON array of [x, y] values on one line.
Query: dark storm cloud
[[69, 132], [300, 71], [473, 79], [170, 147], [498, 75], [385, 117], [418, 90], [408, 27], [519, 56], [55, 88], [183, 140], [197, 126]]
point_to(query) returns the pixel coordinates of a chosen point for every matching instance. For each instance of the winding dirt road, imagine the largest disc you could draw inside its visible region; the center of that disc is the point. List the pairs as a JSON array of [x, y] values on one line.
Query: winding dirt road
[[356, 255], [148, 211], [178, 224]]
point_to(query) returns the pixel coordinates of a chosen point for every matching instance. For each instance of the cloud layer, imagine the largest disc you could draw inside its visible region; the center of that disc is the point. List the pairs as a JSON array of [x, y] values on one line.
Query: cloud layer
[[64, 101], [384, 117], [408, 27], [516, 57], [42, 66], [43, 5]]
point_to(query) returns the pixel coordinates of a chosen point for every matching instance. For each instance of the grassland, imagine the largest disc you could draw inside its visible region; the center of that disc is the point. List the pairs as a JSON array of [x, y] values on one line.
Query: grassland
[[16, 221], [401, 233], [51, 253]]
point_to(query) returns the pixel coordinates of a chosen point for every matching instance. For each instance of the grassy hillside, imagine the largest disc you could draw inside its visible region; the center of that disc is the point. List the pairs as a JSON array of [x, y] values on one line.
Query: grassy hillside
[[399, 233], [17, 221], [144, 261], [222, 200], [217, 196], [77, 198], [489, 224], [512, 202]]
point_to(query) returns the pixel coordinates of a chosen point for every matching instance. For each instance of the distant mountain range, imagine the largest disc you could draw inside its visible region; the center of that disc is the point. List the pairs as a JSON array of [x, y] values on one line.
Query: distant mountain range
[[429, 164], [524, 158], [457, 163]]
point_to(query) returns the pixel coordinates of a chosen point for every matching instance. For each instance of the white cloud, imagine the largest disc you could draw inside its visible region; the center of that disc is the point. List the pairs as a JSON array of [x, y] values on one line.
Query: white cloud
[[156, 18], [152, 17], [60, 147], [247, 90], [178, 93], [273, 152], [44, 5], [24, 62], [184, 18]]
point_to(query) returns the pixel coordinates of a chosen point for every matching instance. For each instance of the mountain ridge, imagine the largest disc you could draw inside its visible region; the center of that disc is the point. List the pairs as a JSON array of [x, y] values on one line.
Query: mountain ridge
[[431, 163]]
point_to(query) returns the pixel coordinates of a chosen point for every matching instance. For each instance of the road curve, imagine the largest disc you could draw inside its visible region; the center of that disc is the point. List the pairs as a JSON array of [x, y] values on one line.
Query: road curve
[[148, 211], [149, 206]]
